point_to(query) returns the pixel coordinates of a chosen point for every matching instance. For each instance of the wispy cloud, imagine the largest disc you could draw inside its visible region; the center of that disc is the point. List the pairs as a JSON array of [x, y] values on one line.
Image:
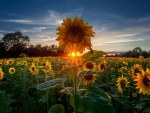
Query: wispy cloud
[[35, 29], [52, 18]]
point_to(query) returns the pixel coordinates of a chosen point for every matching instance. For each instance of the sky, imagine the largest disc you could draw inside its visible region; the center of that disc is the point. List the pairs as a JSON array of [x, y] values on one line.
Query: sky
[[120, 25]]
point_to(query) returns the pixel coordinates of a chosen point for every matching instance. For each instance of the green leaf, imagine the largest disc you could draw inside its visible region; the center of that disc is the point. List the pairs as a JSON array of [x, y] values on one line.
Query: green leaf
[[93, 54], [69, 71], [43, 99], [125, 102], [96, 104], [51, 84], [97, 91], [58, 108]]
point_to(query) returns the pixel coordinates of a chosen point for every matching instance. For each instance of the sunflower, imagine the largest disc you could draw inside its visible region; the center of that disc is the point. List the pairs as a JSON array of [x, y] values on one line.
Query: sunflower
[[135, 70], [89, 78], [89, 65], [143, 81], [10, 62], [122, 69], [101, 67], [121, 83], [33, 69], [47, 67], [125, 64], [1, 74], [74, 35], [11, 70], [134, 95]]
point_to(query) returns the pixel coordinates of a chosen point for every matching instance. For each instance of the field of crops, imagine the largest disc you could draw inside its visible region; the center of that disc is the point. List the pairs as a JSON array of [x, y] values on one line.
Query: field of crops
[[65, 85]]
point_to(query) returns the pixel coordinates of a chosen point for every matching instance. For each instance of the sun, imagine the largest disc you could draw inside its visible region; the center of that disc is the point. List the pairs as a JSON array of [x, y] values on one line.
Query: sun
[[73, 54], [74, 35]]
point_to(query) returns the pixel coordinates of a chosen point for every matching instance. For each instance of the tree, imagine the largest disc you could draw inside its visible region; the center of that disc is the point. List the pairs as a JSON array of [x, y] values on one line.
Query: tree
[[137, 51], [15, 41]]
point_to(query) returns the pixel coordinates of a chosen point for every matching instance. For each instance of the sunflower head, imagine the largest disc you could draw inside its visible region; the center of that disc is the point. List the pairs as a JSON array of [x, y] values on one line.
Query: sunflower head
[[121, 83], [74, 35], [1, 74], [135, 70], [143, 81], [12, 70], [33, 70], [101, 67], [89, 65], [89, 78], [10, 62]]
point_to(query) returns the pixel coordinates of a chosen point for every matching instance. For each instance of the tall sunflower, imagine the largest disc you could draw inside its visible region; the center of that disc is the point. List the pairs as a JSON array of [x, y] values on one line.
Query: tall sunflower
[[74, 35], [143, 81], [121, 83]]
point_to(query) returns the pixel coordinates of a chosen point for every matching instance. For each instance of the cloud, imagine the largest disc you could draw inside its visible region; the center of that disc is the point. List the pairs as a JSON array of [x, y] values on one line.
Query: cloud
[[1, 36], [3, 31], [35, 29], [51, 18]]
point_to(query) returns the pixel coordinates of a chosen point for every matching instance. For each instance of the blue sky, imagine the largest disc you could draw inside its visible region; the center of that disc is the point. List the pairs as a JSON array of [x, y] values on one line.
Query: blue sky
[[120, 25]]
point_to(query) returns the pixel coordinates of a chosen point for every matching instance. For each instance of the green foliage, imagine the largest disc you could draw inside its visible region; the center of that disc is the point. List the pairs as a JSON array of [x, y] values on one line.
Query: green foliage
[[51, 84], [95, 101], [93, 55], [58, 108], [5, 102]]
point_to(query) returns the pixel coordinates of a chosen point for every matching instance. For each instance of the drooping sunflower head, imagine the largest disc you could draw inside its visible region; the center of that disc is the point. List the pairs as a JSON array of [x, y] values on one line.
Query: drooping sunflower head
[[1, 74], [89, 78], [74, 35], [89, 65], [143, 81], [121, 83], [12, 70], [135, 70]]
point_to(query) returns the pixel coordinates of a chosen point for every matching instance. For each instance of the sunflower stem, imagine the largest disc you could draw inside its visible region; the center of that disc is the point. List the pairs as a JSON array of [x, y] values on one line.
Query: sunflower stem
[[75, 84]]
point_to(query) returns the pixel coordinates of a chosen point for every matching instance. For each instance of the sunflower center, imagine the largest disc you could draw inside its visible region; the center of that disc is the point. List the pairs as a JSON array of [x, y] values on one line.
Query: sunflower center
[[89, 65], [102, 66], [123, 83], [33, 69], [75, 34], [146, 81], [88, 77], [12, 70], [136, 71]]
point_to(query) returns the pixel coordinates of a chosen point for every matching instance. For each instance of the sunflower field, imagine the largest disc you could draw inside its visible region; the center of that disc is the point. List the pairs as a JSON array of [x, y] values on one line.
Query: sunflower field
[[88, 83], [45, 84]]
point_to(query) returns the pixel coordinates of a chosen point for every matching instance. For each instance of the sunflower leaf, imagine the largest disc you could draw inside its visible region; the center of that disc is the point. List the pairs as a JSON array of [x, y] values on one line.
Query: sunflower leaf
[[95, 54], [93, 103], [51, 84], [97, 91], [58, 108]]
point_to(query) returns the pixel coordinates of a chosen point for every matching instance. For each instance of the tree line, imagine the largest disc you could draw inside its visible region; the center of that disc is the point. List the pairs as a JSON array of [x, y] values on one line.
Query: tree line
[[14, 44], [135, 53]]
